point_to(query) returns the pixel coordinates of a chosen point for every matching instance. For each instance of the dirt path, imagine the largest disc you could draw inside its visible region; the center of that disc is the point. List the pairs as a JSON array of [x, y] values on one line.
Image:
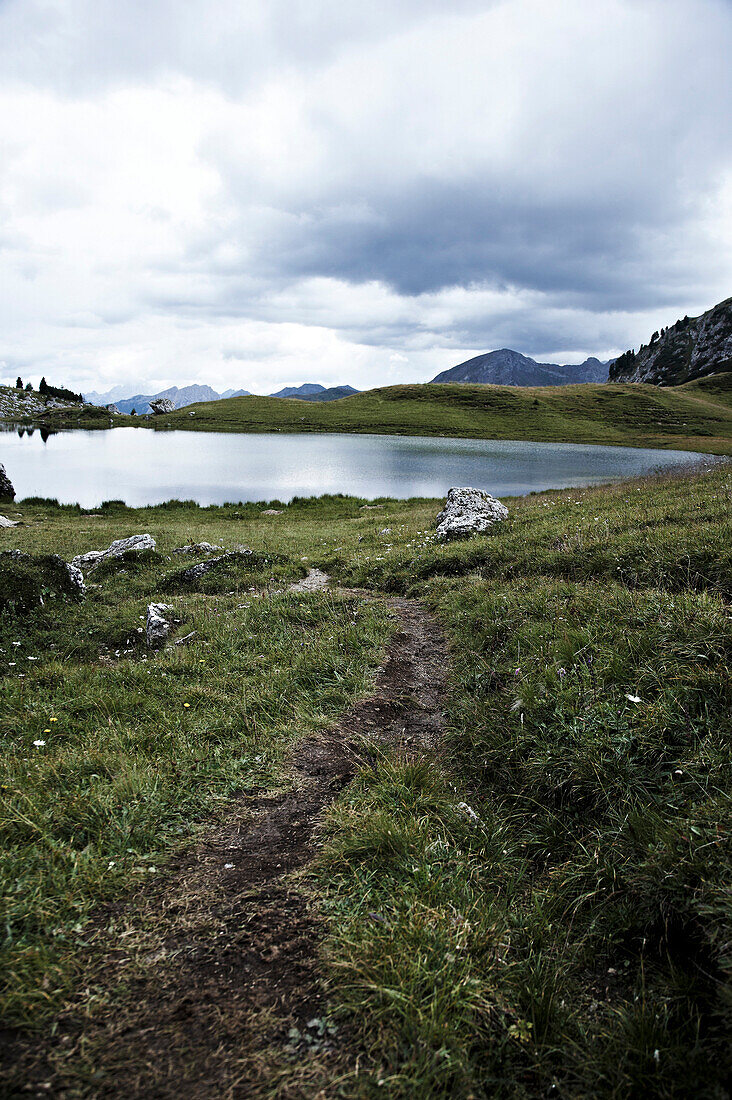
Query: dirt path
[[219, 959]]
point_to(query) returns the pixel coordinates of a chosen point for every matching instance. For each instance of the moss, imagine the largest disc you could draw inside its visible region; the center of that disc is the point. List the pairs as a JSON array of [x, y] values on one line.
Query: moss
[[28, 581]]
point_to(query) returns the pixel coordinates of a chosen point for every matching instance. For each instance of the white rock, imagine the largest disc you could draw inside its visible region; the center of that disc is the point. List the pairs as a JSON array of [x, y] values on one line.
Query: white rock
[[157, 627], [162, 405], [468, 512], [5, 522], [76, 577], [87, 561], [197, 548]]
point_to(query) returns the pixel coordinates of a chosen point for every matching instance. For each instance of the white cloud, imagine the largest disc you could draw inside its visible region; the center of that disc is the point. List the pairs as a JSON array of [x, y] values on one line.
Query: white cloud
[[253, 195]]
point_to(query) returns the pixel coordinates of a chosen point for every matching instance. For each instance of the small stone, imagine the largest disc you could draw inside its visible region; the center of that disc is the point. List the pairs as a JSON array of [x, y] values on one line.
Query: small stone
[[157, 627], [197, 548]]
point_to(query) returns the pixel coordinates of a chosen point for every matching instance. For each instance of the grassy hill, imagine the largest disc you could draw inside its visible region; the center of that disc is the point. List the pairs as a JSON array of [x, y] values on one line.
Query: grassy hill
[[696, 416]]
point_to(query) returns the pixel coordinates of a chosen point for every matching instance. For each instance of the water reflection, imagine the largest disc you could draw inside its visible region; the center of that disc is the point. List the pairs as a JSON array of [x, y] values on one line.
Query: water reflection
[[145, 467]]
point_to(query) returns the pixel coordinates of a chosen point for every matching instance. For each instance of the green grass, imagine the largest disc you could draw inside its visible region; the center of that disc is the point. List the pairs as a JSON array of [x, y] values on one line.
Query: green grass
[[696, 416], [140, 747], [574, 940]]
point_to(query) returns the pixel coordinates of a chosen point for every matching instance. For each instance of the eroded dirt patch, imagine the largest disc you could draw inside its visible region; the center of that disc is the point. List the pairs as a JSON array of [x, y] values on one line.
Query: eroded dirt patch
[[208, 979]]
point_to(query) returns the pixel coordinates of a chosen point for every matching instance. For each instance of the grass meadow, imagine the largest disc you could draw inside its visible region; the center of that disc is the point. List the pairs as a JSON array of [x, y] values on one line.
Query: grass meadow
[[541, 907]]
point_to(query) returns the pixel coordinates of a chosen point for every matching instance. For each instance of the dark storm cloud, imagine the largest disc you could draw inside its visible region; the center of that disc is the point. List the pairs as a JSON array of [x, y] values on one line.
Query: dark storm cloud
[[441, 235]]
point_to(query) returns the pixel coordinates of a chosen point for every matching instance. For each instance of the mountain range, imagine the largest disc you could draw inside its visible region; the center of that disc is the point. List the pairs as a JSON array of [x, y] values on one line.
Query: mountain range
[[189, 395], [691, 348], [140, 402], [509, 368]]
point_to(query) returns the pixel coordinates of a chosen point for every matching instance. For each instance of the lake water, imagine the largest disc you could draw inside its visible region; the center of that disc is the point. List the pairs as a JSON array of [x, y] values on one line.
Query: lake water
[[141, 466]]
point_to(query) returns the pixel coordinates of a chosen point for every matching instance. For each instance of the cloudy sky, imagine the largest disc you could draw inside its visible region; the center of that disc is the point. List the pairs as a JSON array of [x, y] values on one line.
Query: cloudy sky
[[262, 193]]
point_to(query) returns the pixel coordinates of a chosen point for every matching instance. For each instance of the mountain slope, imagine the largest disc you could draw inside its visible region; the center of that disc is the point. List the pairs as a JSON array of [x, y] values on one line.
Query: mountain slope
[[697, 418], [692, 348], [509, 368]]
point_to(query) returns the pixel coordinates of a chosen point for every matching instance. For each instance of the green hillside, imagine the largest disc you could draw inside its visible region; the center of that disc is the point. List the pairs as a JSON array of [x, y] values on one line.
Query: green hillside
[[697, 416]]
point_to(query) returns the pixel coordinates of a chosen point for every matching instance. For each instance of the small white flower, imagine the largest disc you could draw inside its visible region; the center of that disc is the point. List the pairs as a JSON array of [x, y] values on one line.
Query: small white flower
[[39, 744], [228, 866], [110, 865], [634, 698]]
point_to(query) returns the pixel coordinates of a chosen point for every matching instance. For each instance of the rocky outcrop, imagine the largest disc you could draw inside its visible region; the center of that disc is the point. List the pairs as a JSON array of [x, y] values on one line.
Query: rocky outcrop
[[7, 492], [113, 409], [162, 405], [692, 348], [18, 404], [157, 626], [468, 512], [88, 561], [5, 522]]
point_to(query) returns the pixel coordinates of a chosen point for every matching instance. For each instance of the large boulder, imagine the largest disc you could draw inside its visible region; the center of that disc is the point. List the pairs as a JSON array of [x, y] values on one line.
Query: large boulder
[[468, 512], [92, 558], [162, 405], [7, 492], [113, 409]]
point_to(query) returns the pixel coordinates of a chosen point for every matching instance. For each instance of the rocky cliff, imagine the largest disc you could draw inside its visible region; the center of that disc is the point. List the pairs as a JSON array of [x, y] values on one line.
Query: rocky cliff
[[692, 348]]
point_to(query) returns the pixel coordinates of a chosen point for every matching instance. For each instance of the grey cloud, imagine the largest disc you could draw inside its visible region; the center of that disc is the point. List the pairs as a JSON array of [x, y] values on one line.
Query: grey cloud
[[82, 45]]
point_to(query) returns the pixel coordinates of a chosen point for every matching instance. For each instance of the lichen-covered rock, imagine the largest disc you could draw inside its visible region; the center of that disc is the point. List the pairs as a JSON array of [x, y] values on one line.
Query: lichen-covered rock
[[157, 626], [162, 405], [468, 512], [197, 548], [76, 579], [92, 558], [7, 492]]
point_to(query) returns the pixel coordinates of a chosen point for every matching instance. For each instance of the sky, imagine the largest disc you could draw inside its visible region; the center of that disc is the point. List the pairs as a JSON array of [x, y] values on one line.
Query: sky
[[266, 193]]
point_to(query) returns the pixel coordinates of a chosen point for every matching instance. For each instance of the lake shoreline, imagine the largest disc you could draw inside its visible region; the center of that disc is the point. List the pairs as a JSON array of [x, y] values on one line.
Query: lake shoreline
[[695, 416], [89, 467]]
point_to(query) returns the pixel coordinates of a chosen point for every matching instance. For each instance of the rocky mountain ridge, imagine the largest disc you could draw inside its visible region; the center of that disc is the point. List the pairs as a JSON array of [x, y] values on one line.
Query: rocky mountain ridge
[[191, 395], [141, 402], [506, 367], [691, 348]]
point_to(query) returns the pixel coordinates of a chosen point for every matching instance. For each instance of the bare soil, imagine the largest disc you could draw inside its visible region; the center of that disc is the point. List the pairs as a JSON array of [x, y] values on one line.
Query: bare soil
[[207, 983]]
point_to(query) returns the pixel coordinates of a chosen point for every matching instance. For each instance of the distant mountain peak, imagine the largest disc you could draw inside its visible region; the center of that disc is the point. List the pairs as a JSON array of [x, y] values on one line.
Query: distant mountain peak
[[299, 391], [506, 367], [312, 391]]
